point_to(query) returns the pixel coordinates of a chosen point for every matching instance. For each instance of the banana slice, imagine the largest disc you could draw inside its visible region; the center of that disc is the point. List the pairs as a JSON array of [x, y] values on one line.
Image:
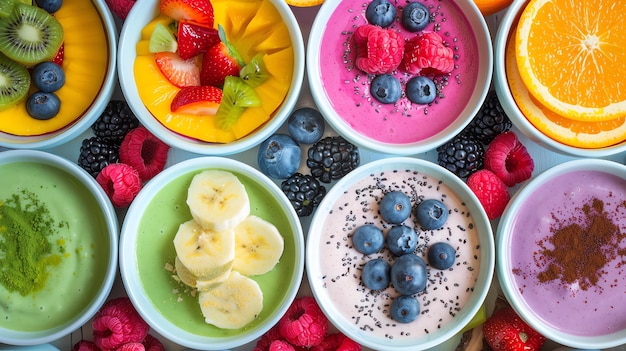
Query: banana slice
[[206, 253], [258, 246], [233, 304], [191, 280], [217, 200]]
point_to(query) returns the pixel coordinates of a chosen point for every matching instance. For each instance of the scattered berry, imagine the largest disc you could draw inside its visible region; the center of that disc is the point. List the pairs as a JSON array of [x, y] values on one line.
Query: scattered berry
[[415, 16], [409, 274], [280, 345], [375, 274], [463, 155], [95, 154], [508, 158], [331, 158], [336, 342], [306, 125], [152, 344], [118, 323], [504, 330], [144, 152], [490, 120], [132, 346], [120, 182], [48, 77], [431, 214], [85, 345], [404, 309], [120, 8], [304, 323], [426, 53], [441, 255], [386, 89], [264, 342], [51, 6], [377, 50], [380, 13], [304, 192], [279, 156], [368, 239], [43, 106], [492, 193], [421, 90], [116, 120], [395, 207], [401, 239]]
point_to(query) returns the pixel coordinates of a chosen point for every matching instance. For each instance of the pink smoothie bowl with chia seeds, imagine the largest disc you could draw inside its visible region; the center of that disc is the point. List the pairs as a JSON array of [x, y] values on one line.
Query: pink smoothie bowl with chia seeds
[[560, 253], [342, 91]]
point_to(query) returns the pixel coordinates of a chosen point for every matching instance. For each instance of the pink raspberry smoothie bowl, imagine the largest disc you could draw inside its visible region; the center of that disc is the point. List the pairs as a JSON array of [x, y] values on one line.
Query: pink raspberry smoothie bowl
[[349, 53]]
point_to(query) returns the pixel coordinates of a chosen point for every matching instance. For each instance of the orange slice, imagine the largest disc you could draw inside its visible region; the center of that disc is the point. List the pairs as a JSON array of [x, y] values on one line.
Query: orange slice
[[572, 56], [489, 7], [304, 3], [564, 130]]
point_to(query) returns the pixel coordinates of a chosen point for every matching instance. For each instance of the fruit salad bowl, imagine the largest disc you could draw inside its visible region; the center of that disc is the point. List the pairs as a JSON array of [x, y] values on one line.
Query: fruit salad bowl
[[182, 289], [87, 57], [59, 229], [386, 295], [396, 98], [224, 94], [561, 132]]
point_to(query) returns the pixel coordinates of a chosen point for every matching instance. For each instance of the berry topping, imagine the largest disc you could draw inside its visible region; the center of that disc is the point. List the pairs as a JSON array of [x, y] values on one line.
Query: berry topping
[[85, 345], [415, 16], [368, 239], [331, 158], [395, 207], [48, 77], [60, 56], [508, 158], [304, 323], [132, 346], [152, 344], [386, 89], [43, 106], [266, 339], [409, 274], [492, 193], [51, 6], [281, 345], [490, 120], [279, 156], [377, 50], [306, 125], [198, 11], [201, 100], [404, 309], [144, 152], [336, 342], [401, 239], [194, 39], [380, 13], [116, 120], [118, 323], [441, 255], [375, 274], [463, 155], [431, 214], [426, 53], [181, 73], [421, 90], [120, 182], [304, 192], [217, 64], [95, 154], [504, 330]]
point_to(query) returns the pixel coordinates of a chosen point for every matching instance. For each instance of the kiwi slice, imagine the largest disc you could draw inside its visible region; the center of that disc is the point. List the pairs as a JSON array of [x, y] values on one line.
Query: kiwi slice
[[14, 82], [254, 73], [30, 35], [6, 7], [237, 95], [162, 40]]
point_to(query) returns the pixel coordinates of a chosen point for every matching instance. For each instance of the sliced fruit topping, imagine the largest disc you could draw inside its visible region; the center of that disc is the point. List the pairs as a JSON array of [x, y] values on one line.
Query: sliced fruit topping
[[14, 82], [492, 193], [198, 11], [60, 55], [181, 73], [162, 40], [258, 246], [194, 39], [144, 152], [217, 64], [236, 96], [508, 158], [254, 72], [426, 53], [378, 50], [202, 100]]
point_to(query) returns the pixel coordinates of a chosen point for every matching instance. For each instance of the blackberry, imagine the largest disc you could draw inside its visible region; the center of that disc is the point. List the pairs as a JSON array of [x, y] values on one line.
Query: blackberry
[[332, 158], [95, 154], [304, 192], [490, 120], [462, 155], [116, 120]]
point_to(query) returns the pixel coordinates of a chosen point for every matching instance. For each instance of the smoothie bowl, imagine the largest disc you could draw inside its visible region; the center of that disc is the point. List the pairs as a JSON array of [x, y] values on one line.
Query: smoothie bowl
[[228, 94], [87, 58], [184, 279], [448, 63], [560, 245], [560, 131], [57, 271], [449, 295]]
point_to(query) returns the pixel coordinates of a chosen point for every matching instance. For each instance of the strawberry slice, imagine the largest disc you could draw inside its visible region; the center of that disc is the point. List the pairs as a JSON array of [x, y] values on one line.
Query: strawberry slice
[[194, 39], [198, 11], [58, 58], [218, 64], [202, 100], [181, 73]]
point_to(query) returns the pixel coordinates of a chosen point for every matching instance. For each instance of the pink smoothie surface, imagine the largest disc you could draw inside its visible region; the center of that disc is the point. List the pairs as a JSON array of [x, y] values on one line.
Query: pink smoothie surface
[[347, 87], [447, 291], [575, 307]]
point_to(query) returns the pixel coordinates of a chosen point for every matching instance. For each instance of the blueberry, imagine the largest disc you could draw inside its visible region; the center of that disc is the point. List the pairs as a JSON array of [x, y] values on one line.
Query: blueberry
[[306, 125], [431, 214], [42, 105], [279, 156], [368, 239], [421, 90], [404, 309], [48, 76], [441, 255], [375, 274], [401, 240], [50, 5], [386, 88], [415, 17], [381, 13], [408, 274], [395, 207]]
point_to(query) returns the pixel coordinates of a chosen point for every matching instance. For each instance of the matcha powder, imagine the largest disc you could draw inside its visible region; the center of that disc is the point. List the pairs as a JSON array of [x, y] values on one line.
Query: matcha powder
[[26, 252]]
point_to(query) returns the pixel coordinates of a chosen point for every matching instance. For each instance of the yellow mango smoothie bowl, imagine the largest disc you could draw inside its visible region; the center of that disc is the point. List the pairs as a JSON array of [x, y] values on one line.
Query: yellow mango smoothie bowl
[[213, 77]]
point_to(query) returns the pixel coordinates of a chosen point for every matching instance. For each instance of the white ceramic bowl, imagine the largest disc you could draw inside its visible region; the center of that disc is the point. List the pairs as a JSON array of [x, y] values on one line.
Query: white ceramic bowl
[[142, 14], [334, 266], [501, 85], [341, 91], [96, 13], [84, 240], [146, 247], [573, 312]]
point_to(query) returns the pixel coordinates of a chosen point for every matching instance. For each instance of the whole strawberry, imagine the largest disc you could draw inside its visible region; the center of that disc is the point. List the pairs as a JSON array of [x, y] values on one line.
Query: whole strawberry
[[506, 331]]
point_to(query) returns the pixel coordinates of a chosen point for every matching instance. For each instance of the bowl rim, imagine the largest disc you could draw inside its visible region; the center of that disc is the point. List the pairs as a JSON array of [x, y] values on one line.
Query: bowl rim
[[74, 129], [484, 44], [484, 232], [509, 105], [112, 224], [503, 235], [126, 55], [128, 258]]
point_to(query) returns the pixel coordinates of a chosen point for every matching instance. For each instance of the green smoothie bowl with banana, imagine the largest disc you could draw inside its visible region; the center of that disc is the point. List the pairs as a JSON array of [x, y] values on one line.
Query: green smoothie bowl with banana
[[211, 253]]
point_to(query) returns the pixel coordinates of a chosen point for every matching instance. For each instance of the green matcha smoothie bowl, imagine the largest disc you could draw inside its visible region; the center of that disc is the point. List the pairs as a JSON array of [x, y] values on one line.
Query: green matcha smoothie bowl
[[211, 253], [58, 246]]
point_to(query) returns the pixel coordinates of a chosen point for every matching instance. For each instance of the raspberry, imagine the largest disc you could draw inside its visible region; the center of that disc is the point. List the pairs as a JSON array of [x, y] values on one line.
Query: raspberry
[[304, 323], [152, 344], [508, 158], [336, 342], [426, 53], [492, 193], [132, 346], [85, 345], [120, 182], [280, 345], [378, 50], [118, 323], [144, 152], [266, 339], [120, 8]]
